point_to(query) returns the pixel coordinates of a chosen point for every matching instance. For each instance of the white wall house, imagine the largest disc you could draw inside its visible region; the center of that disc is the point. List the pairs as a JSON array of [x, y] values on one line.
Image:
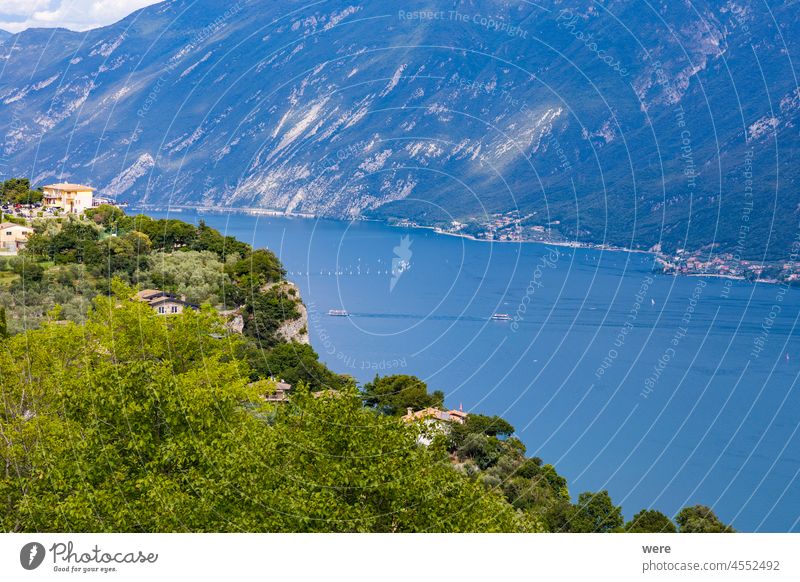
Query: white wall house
[[13, 236]]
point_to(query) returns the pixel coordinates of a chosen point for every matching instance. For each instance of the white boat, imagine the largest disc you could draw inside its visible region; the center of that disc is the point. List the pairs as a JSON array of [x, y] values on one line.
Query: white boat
[[338, 313], [501, 317]]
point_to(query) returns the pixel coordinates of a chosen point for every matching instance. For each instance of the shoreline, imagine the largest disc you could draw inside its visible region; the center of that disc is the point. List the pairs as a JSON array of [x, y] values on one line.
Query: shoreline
[[252, 211], [273, 213], [566, 244]]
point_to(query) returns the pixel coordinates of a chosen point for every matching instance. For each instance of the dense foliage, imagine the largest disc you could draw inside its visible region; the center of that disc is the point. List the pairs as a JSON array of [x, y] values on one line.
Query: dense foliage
[[700, 519], [484, 449], [650, 521], [117, 419], [18, 191], [68, 261], [395, 394], [136, 422]]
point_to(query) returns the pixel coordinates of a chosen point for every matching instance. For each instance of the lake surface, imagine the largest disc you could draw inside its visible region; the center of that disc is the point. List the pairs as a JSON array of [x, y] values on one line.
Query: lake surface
[[667, 391]]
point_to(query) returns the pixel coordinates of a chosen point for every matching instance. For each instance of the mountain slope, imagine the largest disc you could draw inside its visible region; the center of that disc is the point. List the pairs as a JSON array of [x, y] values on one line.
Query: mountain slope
[[632, 124]]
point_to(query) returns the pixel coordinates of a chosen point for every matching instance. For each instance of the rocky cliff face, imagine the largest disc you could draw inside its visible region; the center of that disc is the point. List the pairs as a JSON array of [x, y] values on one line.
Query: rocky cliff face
[[295, 330], [669, 123]]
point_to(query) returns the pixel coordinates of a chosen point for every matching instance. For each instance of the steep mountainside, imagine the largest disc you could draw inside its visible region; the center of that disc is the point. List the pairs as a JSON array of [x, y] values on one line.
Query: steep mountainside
[[631, 123]]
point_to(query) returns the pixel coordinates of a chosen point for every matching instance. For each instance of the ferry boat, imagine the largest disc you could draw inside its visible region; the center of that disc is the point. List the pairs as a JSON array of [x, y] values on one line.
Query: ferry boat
[[338, 313], [501, 317]]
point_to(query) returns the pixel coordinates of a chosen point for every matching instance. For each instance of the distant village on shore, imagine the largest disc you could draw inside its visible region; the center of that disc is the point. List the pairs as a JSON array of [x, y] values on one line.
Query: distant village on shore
[[516, 228]]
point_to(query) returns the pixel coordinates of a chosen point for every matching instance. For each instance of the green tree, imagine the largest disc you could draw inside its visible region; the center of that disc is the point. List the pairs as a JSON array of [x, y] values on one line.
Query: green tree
[[256, 269], [393, 395], [700, 519], [70, 244], [137, 423], [650, 521], [3, 324], [18, 191], [491, 427], [116, 255], [484, 451], [595, 513], [198, 275], [294, 363], [208, 239], [265, 312], [28, 270], [105, 215]]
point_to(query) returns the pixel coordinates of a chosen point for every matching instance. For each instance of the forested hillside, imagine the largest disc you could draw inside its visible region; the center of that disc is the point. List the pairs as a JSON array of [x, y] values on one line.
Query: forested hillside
[[117, 418]]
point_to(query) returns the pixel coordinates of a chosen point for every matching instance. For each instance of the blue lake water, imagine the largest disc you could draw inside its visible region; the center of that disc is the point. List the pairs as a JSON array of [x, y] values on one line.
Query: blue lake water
[[667, 391]]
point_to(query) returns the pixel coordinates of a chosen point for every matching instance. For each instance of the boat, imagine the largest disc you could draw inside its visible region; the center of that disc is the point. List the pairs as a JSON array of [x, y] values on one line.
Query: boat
[[338, 313], [501, 317]]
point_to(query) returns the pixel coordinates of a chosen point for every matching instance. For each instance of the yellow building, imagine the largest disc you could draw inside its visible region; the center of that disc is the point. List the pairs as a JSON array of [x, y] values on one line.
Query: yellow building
[[72, 198]]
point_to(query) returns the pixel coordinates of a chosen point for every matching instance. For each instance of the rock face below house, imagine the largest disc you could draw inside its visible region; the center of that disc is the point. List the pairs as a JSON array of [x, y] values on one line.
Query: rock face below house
[[291, 330], [295, 330], [234, 321]]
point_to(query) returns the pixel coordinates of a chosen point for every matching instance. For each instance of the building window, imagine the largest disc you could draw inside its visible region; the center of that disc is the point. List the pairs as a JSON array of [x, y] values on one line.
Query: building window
[[161, 310], [174, 309]]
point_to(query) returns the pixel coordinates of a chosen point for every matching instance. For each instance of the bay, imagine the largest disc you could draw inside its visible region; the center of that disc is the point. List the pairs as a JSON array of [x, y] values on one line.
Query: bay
[[666, 391]]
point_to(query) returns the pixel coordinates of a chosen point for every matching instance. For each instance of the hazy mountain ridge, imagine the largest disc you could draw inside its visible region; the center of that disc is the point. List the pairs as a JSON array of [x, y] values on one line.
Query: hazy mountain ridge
[[349, 108]]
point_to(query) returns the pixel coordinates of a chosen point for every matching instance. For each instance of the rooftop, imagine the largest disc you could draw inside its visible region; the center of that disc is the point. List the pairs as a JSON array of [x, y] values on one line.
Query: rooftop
[[154, 297], [458, 416], [145, 294], [12, 224], [69, 187]]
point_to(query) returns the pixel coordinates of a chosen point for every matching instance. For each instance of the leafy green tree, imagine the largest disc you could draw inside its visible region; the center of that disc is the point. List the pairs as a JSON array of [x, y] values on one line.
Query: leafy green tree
[[479, 424], [265, 312], [3, 324], [650, 521], [557, 517], [18, 191], [105, 215], [256, 269], [595, 513], [701, 519], [165, 234], [489, 425], [484, 451], [208, 239], [197, 274], [137, 423], [70, 244], [28, 270], [38, 245], [294, 363], [393, 395], [116, 255]]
